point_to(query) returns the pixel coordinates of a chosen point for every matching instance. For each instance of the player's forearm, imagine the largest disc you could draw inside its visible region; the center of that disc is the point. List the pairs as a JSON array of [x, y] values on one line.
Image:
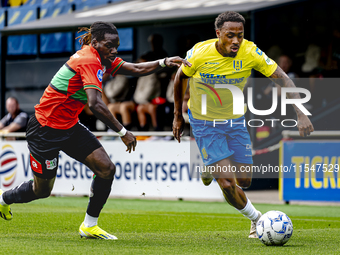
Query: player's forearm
[[282, 79], [146, 68], [293, 95], [178, 95]]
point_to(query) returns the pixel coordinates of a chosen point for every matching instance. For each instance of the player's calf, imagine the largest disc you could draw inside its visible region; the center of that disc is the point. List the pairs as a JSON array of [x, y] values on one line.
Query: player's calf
[[100, 191], [42, 193], [228, 186]]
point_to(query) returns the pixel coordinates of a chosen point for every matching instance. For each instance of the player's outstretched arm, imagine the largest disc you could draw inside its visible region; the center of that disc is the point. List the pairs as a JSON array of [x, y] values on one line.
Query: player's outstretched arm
[[178, 122], [145, 68], [100, 110], [304, 124]]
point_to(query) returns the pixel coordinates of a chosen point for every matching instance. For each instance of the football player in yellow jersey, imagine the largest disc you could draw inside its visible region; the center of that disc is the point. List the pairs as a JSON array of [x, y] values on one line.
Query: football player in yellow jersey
[[217, 64]]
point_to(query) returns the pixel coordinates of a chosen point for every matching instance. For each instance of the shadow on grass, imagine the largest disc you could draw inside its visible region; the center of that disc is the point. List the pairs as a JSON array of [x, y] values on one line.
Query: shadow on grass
[[288, 246]]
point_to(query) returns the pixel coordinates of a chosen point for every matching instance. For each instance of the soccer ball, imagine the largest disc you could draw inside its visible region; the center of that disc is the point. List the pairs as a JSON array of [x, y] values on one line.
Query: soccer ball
[[274, 228]]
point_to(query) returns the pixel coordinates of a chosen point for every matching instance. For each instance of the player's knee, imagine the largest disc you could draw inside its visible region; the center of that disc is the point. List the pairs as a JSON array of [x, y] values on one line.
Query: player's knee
[[244, 182], [227, 185], [109, 172], [112, 171]]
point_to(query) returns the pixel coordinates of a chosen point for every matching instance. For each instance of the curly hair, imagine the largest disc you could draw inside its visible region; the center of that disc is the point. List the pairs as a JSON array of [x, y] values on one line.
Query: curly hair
[[97, 31], [228, 16]]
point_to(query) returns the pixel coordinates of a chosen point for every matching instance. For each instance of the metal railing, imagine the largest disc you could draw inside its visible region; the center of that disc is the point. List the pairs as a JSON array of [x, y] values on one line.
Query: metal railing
[[326, 134], [98, 134]]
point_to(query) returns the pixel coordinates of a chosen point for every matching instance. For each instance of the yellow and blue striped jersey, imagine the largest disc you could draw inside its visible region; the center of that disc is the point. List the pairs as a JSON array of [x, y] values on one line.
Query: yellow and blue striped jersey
[[209, 69]]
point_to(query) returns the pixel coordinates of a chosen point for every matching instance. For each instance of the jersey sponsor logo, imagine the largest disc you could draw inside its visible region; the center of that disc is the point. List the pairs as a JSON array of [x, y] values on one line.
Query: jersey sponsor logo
[[212, 63], [258, 51], [51, 164], [237, 65], [269, 61], [100, 75], [219, 79]]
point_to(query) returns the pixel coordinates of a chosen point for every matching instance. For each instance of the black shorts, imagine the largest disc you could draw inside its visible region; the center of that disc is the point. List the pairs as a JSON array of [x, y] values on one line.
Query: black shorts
[[45, 143]]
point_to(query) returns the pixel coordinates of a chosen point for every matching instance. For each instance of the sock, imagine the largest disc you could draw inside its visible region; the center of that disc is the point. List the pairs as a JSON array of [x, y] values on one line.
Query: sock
[[20, 194], [100, 191], [249, 211], [90, 221]]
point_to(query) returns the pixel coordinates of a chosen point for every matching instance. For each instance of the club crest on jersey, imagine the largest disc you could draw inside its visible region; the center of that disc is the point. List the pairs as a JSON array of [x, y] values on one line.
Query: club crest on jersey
[[100, 75], [258, 51], [51, 164], [237, 65]]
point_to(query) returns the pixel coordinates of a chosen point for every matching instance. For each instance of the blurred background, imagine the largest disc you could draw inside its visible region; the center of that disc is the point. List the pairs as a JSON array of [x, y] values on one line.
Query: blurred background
[[302, 36]]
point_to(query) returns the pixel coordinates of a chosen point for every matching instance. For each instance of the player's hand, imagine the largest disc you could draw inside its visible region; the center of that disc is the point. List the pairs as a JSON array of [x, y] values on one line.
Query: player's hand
[[305, 126], [176, 61], [178, 127], [130, 141]]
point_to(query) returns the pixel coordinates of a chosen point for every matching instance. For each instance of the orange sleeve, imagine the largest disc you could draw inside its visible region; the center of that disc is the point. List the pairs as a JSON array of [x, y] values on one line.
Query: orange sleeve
[[116, 64], [91, 75]]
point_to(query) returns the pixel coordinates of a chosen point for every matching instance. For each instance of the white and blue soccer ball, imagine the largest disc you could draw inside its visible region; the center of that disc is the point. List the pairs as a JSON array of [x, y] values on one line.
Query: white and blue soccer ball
[[274, 228]]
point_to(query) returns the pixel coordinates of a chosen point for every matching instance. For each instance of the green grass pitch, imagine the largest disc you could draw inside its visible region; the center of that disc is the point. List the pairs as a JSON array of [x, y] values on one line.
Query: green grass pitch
[[50, 226]]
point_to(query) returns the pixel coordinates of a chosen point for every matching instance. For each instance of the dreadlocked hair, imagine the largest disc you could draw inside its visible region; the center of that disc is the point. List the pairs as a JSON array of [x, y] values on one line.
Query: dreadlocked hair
[[96, 31]]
